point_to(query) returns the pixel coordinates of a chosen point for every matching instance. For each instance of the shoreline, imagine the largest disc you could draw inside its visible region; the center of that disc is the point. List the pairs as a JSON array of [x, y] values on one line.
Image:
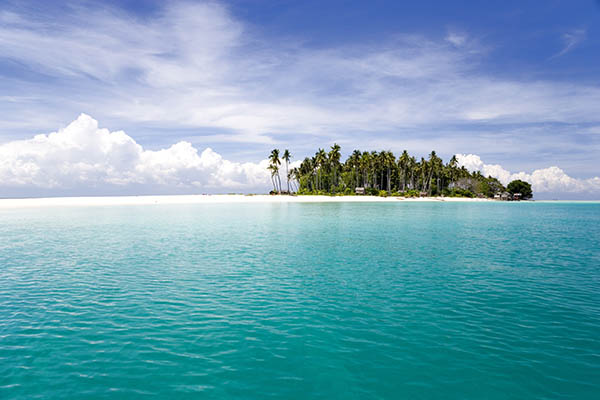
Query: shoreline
[[214, 199], [101, 201]]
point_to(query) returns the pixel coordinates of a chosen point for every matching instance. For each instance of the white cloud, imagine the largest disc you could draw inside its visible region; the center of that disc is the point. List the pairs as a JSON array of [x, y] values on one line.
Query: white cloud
[[196, 65], [83, 155], [456, 38], [571, 40], [551, 179]]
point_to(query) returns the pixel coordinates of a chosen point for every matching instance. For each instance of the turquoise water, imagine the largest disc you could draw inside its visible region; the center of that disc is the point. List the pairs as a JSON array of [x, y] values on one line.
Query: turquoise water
[[294, 301]]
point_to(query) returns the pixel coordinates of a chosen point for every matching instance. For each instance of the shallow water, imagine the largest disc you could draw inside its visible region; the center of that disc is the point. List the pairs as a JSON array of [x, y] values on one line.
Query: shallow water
[[254, 301]]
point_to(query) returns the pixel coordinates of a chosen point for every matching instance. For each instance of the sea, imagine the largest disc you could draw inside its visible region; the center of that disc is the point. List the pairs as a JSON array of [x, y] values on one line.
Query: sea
[[394, 300]]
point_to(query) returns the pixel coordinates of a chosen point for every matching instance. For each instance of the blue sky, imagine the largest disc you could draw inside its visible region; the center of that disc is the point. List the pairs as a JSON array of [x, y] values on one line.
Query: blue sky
[[514, 82]]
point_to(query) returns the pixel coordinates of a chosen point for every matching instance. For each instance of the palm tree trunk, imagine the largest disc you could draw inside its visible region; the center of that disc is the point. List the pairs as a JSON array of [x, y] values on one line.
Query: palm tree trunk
[[388, 180], [279, 181], [287, 175]]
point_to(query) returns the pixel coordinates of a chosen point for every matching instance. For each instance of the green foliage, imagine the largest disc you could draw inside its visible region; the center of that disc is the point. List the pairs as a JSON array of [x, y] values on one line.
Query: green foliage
[[371, 191], [457, 192], [304, 192], [382, 174], [487, 187], [519, 186]]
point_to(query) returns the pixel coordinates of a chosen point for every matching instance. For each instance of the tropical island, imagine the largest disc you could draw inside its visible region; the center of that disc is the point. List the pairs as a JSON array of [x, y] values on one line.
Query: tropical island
[[382, 174]]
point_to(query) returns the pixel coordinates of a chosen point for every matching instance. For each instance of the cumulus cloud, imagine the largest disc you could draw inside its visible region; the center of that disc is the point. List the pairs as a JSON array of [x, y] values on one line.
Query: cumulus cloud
[[198, 66], [551, 179], [84, 155]]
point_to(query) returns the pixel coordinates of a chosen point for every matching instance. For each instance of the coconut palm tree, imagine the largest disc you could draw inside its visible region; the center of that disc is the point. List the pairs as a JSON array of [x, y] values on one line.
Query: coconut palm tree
[[286, 156], [334, 162], [412, 167], [452, 167], [365, 163], [373, 164], [276, 162], [291, 177], [353, 163], [325, 172], [307, 170], [434, 170], [389, 162], [273, 170], [403, 166], [380, 165], [320, 161]]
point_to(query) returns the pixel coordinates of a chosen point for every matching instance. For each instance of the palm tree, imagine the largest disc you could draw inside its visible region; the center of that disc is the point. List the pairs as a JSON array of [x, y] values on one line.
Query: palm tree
[[452, 167], [324, 172], [290, 178], [373, 164], [404, 165], [273, 170], [389, 161], [365, 162], [435, 165], [307, 170], [275, 162], [381, 159], [334, 160], [412, 167], [353, 163], [286, 157], [320, 160], [295, 177]]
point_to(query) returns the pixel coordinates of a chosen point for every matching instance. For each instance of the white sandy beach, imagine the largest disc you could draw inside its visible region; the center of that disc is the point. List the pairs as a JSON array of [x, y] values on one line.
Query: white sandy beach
[[207, 199]]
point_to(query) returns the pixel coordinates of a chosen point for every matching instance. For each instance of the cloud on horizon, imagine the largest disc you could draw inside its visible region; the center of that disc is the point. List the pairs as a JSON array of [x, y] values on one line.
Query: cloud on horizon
[[202, 73], [551, 179], [83, 157]]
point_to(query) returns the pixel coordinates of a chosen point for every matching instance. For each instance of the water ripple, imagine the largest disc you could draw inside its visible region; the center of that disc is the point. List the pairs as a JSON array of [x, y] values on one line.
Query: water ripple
[[341, 300]]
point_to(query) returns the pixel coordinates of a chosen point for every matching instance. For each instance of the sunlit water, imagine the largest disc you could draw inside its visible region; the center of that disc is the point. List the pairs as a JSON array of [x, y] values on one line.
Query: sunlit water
[[294, 301]]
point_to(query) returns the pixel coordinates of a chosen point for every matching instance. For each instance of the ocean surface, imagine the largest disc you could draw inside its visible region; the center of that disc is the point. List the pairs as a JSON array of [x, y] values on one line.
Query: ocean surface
[[297, 301]]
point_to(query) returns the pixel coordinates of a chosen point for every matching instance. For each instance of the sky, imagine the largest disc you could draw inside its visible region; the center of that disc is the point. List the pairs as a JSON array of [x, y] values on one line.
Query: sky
[[152, 97]]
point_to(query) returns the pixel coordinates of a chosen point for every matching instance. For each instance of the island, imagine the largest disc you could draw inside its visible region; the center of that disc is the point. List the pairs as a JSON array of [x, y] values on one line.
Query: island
[[382, 174]]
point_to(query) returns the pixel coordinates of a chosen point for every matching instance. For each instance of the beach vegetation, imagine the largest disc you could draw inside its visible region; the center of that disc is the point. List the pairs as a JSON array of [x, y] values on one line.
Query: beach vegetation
[[286, 157], [274, 163], [381, 173], [522, 188]]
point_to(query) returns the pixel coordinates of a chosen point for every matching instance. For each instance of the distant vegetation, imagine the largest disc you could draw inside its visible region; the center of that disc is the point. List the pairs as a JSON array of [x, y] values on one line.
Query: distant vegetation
[[382, 174], [522, 187]]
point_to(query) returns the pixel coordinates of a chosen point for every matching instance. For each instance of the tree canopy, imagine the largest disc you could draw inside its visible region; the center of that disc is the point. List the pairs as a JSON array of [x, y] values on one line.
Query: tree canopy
[[519, 186], [382, 173]]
